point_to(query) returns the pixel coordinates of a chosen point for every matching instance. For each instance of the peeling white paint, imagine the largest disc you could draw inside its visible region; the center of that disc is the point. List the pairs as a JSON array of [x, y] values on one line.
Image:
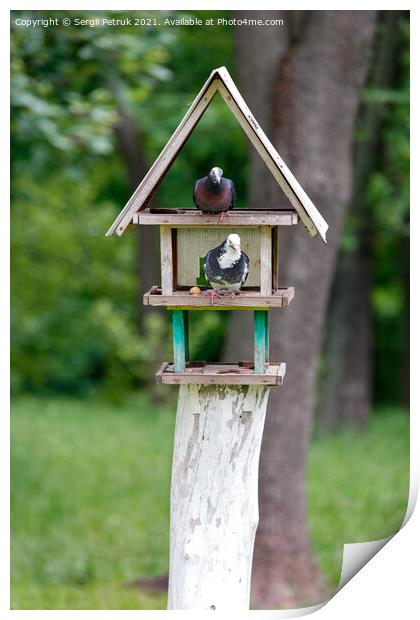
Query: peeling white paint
[[214, 495]]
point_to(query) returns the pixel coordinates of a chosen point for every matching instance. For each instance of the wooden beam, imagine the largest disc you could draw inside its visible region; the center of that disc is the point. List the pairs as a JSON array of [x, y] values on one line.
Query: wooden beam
[[180, 339], [275, 256], [221, 374], [267, 338], [186, 334], [214, 496], [260, 341], [194, 217], [247, 300], [174, 234], [266, 278], [166, 260]]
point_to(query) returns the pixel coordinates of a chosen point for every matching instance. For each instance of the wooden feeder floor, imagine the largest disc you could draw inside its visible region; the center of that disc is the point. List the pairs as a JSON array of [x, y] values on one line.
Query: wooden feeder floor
[[204, 373], [247, 299], [195, 217]]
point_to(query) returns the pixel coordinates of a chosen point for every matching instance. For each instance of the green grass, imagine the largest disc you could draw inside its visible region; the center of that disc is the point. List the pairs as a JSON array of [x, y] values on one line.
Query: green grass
[[90, 498], [358, 487]]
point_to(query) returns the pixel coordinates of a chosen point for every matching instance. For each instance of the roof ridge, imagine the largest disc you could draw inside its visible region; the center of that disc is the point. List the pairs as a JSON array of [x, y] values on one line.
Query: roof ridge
[[220, 80]]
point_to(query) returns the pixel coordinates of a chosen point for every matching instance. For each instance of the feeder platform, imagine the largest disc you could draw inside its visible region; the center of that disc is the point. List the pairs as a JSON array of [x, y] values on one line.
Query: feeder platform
[[248, 299], [204, 373]]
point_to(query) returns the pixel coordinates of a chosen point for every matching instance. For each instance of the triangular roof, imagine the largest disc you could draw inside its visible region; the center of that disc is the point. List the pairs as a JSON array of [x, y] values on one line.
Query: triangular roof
[[220, 80]]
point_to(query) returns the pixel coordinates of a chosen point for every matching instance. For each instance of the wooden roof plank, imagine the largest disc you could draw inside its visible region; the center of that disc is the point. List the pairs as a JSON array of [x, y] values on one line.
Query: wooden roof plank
[[267, 158], [155, 175], [314, 215]]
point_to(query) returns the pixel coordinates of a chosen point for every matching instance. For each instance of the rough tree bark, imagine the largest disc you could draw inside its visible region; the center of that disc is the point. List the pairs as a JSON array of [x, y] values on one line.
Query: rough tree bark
[[313, 85], [346, 397], [130, 143], [347, 384], [214, 495]]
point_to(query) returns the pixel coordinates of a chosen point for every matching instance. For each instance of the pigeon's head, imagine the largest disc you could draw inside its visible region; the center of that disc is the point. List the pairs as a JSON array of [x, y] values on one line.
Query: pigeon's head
[[215, 175], [233, 242]]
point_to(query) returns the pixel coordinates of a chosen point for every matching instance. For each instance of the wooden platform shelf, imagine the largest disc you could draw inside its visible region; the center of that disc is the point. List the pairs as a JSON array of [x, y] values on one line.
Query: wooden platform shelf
[[203, 373], [247, 300], [237, 217]]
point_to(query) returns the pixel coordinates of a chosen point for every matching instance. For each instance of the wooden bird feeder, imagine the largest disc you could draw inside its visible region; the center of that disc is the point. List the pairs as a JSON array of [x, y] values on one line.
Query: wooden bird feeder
[[223, 400], [185, 237]]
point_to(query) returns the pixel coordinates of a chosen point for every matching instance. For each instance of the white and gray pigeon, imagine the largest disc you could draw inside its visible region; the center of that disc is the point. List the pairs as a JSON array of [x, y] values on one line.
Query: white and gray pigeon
[[226, 267]]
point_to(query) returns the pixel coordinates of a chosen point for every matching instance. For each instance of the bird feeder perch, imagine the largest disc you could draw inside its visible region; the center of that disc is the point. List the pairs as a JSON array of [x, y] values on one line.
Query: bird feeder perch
[[221, 407]]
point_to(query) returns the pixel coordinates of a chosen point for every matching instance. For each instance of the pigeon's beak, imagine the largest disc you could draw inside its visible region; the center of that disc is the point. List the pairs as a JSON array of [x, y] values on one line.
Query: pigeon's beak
[[217, 177]]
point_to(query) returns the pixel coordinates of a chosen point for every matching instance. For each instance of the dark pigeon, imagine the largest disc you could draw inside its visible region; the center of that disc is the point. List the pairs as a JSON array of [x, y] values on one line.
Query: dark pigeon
[[214, 194], [226, 267]]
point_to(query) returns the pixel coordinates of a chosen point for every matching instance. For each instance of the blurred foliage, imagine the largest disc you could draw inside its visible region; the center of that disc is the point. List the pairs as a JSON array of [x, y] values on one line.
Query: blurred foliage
[[67, 84], [77, 550], [74, 293], [388, 199]]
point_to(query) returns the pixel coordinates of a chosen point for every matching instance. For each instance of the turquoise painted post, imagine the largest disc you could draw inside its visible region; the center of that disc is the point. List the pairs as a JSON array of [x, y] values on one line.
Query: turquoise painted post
[[260, 340], [267, 340], [186, 335], [180, 338]]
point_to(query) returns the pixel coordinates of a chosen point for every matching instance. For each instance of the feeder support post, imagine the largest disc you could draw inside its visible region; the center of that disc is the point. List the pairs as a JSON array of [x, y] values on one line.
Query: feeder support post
[[214, 495], [260, 340], [180, 339]]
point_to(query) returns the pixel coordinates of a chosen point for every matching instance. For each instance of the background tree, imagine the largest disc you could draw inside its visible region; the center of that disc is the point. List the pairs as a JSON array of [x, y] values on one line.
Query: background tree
[[313, 88], [347, 385]]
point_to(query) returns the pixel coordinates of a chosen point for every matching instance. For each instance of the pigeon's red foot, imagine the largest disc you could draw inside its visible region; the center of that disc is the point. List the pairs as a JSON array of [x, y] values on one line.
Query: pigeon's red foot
[[223, 214], [233, 295], [213, 294]]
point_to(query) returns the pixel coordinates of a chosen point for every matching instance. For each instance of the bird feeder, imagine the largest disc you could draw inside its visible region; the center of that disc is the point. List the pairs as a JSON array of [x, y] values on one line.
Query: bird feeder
[[221, 407], [185, 237]]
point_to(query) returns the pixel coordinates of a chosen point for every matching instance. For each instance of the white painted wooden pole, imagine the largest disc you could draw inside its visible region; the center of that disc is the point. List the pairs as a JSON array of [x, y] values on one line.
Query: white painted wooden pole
[[214, 495]]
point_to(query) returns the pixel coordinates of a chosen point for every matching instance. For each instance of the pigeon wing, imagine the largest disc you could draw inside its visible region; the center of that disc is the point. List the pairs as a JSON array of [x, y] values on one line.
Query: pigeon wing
[[233, 193], [194, 193], [246, 268], [206, 265]]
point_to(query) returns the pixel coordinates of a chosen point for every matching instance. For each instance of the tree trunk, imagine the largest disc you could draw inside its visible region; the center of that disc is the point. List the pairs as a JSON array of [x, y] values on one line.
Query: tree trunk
[[130, 143], [347, 386], [315, 83], [214, 495]]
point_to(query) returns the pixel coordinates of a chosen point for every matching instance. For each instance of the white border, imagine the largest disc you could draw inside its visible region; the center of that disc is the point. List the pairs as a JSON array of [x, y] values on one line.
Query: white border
[[387, 585]]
